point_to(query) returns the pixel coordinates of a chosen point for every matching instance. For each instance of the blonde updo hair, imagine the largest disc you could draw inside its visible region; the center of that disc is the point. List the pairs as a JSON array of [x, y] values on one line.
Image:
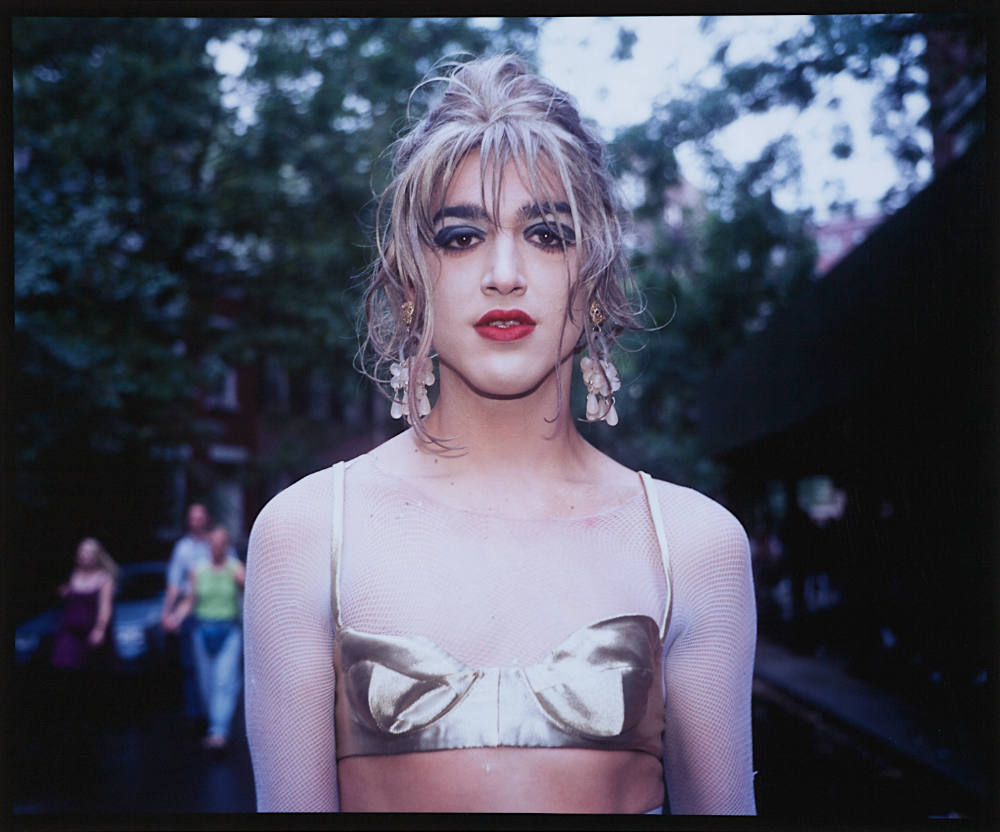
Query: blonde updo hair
[[496, 106]]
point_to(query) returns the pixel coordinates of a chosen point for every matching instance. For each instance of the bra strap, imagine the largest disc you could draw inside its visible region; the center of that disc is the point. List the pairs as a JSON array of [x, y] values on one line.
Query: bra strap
[[654, 511], [336, 539]]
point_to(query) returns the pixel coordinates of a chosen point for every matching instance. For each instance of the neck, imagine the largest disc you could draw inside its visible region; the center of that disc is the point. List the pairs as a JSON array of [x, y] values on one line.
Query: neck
[[506, 436]]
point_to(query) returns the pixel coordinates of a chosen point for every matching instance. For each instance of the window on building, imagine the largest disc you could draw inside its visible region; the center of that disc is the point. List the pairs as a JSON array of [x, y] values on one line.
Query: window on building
[[228, 507], [225, 394]]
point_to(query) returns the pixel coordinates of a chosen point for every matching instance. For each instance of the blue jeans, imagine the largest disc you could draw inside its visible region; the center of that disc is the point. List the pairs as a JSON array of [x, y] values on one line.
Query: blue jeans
[[218, 650], [192, 695]]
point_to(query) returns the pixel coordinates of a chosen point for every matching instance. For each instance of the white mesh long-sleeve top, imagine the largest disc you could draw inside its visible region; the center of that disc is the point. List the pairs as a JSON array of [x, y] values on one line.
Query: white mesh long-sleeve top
[[495, 591]]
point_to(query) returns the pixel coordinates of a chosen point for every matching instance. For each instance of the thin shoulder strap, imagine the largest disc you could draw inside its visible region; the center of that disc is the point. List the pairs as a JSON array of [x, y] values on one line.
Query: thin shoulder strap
[[653, 501], [336, 539]]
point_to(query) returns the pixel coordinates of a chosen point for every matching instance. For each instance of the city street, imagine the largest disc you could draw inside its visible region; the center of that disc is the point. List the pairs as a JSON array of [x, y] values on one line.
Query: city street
[[141, 757]]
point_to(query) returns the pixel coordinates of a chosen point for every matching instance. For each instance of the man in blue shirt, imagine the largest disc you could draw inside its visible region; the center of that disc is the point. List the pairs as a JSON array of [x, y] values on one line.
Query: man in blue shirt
[[188, 552]]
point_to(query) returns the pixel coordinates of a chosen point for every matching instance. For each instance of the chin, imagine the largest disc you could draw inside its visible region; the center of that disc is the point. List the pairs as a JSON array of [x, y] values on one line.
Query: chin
[[505, 384], [518, 387], [508, 376]]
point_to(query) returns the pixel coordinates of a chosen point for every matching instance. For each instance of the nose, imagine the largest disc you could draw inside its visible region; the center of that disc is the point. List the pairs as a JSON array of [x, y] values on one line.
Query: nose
[[504, 274]]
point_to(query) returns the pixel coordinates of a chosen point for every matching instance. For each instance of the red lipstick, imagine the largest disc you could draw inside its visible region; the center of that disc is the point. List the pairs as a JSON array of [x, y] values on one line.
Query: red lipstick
[[505, 325]]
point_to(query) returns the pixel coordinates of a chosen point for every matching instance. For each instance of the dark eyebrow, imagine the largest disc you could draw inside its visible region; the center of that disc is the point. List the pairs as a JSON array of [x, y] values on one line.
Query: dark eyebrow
[[529, 211], [533, 210], [462, 212]]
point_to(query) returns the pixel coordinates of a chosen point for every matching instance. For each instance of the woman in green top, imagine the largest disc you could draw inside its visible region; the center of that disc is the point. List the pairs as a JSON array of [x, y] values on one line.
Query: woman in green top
[[218, 636]]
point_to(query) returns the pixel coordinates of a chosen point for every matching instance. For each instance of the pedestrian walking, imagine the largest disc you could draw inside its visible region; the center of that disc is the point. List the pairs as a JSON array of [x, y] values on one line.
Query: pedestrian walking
[[213, 607], [187, 553]]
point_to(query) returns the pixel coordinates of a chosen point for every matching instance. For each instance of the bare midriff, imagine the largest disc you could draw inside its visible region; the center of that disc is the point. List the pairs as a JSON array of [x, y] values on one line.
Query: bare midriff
[[563, 780]]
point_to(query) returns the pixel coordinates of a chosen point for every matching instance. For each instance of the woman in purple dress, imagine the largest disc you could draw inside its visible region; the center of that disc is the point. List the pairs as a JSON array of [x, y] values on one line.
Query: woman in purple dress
[[83, 640]]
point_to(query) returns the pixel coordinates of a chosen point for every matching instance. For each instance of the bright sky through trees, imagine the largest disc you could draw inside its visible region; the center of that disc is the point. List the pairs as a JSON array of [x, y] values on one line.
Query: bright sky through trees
[[576, 53]]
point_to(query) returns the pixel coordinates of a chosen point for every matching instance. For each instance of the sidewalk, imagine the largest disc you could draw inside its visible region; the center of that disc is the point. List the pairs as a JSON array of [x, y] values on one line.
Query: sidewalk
[[864, 707]]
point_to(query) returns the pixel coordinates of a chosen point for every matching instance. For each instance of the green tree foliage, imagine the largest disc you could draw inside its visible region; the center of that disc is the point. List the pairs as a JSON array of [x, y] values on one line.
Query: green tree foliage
[[298, 184], [145, 208], [892, 52], [297, 187], [114, 125]]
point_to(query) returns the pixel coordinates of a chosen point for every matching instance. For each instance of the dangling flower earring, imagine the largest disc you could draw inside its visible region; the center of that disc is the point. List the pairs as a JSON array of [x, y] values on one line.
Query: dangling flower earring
[[600, 375], [402, 371]]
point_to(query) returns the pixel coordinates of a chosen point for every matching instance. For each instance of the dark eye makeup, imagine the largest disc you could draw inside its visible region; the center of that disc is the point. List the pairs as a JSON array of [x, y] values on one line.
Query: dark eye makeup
[[458, 237], [549, 235]]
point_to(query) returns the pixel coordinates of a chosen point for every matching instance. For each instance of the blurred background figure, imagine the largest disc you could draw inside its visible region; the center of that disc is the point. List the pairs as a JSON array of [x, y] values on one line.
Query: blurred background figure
[[82, 639], [216, 634], [187, 553], [79, 695]]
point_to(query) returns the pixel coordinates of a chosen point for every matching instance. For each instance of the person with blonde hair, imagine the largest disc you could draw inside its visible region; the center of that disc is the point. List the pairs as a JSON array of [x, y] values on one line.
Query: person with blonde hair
[[82, 639], [486, 613]]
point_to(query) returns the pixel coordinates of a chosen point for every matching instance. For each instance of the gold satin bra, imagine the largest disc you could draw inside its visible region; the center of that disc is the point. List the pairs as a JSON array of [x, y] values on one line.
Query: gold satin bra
[[600, 688]]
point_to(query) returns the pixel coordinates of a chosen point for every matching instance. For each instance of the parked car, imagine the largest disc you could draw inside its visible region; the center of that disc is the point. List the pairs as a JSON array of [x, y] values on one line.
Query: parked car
[[135, 623]]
